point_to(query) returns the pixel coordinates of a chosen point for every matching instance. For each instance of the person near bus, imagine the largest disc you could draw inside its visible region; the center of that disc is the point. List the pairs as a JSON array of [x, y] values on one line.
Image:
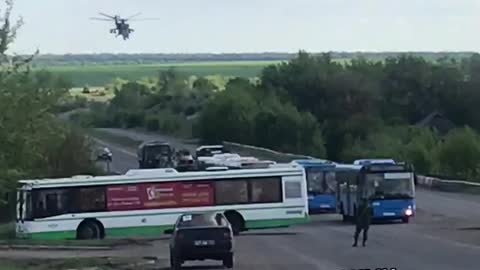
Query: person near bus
[[364, 218]]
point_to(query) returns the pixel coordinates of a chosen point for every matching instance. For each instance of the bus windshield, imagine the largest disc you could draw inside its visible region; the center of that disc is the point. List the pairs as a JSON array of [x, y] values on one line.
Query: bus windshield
[[320, 181], [377, 186]]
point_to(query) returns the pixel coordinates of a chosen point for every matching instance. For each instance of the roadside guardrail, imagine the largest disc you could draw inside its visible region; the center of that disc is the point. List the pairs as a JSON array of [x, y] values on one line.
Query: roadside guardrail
[[262, 153], [423, 181], [448, 185]]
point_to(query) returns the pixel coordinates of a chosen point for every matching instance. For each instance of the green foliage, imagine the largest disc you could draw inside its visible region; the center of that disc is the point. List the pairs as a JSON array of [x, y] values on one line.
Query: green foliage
[[239, 115], [96, 75], [33, 142], [163, 106], [318, 106], [459, 154]]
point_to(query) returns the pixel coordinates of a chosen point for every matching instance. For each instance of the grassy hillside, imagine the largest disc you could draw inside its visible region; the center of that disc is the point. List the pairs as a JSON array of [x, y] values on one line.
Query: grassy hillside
[[99, 75]]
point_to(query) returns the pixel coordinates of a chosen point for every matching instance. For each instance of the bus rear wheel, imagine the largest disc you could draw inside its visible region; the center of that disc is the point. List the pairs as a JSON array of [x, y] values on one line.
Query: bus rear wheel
[[236, 220], [89, 230]]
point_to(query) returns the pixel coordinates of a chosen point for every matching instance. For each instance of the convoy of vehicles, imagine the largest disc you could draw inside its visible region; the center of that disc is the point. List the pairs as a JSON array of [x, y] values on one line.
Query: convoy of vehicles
[[251, 193], [321, 184], [148, 202], [201, 236], [389, 187]]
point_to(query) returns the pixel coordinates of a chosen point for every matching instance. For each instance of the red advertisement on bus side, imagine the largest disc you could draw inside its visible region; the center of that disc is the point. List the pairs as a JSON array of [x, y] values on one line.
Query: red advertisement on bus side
[[159, 195], [124, 197]]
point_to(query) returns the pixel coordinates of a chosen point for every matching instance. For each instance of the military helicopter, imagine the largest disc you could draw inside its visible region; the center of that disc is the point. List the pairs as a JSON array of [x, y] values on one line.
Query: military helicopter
[[122, 28]]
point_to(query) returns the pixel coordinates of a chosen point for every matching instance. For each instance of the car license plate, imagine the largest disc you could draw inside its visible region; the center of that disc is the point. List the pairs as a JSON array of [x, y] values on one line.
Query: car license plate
[[388, 214], [324, 206], [204, 242]]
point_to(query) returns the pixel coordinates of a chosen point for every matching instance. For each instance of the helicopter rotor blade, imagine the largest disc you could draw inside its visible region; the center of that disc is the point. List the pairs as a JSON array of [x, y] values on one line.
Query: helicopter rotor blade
[[106, 15], [131, 17], [100, 19], [145, 19]]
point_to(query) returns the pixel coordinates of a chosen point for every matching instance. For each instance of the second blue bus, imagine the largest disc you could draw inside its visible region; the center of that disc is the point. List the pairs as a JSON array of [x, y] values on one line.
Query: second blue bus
[[321, 185], [389, 188]]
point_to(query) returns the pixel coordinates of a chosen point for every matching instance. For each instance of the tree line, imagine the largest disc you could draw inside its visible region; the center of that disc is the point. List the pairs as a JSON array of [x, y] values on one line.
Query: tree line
[[358, 109], [33, 142], [155, 58], [317, 106]]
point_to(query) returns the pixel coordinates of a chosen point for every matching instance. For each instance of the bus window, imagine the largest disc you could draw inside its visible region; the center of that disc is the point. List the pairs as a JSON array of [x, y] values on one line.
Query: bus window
[[91, 199], [231, 192], [378, 187], [51, 202], [266, 190], [330, 182], [315, 180], [293, 190]]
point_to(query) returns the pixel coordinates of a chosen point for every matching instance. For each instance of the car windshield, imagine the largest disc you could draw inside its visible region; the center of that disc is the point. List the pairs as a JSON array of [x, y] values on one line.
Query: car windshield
[[201, 220], [320, 181], [389, 185]]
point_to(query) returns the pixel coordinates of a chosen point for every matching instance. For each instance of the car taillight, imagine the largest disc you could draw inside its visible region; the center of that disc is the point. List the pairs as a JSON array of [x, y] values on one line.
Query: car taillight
[[227, 235]]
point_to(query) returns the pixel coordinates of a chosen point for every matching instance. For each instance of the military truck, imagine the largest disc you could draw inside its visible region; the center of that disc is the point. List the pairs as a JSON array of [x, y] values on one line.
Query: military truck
[[155, 154]]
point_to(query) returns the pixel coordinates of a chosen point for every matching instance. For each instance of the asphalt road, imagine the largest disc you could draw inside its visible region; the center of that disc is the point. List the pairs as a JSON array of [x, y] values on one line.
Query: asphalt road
[[445, 235]]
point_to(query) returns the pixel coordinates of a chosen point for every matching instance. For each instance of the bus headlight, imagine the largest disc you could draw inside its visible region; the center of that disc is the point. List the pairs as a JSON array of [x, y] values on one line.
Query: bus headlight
[[408, 212]]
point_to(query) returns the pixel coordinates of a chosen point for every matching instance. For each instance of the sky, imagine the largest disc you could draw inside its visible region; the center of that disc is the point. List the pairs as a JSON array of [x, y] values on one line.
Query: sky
[[234, 26]]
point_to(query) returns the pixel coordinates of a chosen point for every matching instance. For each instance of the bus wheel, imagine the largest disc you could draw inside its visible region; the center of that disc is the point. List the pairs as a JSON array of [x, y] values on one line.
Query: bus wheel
[[90, 229], [236, 220]]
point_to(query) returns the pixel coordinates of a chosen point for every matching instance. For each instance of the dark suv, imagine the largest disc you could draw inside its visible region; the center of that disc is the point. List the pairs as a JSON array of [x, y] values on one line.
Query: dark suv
[[201, 236]]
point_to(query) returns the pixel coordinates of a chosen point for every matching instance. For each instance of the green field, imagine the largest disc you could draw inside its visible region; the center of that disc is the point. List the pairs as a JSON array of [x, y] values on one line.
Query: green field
[[99, 75]]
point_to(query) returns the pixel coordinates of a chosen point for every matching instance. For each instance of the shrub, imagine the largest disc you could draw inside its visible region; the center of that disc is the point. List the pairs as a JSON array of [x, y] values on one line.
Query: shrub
[[459, 154], [152, 123]]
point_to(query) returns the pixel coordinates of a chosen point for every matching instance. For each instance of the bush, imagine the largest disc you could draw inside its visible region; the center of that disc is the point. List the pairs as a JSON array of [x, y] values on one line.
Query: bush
[[69, 154], [86, 90], [169, 123], [134, 119], [459, 154], [152, 123], [405, 143], [190, 110]]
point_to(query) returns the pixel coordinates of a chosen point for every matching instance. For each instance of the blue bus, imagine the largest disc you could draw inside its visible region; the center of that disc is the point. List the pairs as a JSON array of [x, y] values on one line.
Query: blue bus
[[388, 186], [321, 185]]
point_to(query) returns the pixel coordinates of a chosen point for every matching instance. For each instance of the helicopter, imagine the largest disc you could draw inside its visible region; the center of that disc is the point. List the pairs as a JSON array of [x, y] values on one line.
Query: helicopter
[[122, 28]]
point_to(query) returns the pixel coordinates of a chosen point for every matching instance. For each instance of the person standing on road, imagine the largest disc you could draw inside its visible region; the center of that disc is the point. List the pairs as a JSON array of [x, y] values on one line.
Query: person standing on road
[[364, 217]]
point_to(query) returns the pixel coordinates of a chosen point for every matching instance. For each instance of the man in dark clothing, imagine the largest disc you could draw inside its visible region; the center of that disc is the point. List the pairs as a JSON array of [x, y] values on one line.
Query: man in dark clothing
[[364, 217]]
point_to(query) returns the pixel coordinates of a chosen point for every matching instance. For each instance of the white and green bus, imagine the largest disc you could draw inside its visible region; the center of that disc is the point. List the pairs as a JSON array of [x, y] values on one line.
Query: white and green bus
[[148, 202]]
